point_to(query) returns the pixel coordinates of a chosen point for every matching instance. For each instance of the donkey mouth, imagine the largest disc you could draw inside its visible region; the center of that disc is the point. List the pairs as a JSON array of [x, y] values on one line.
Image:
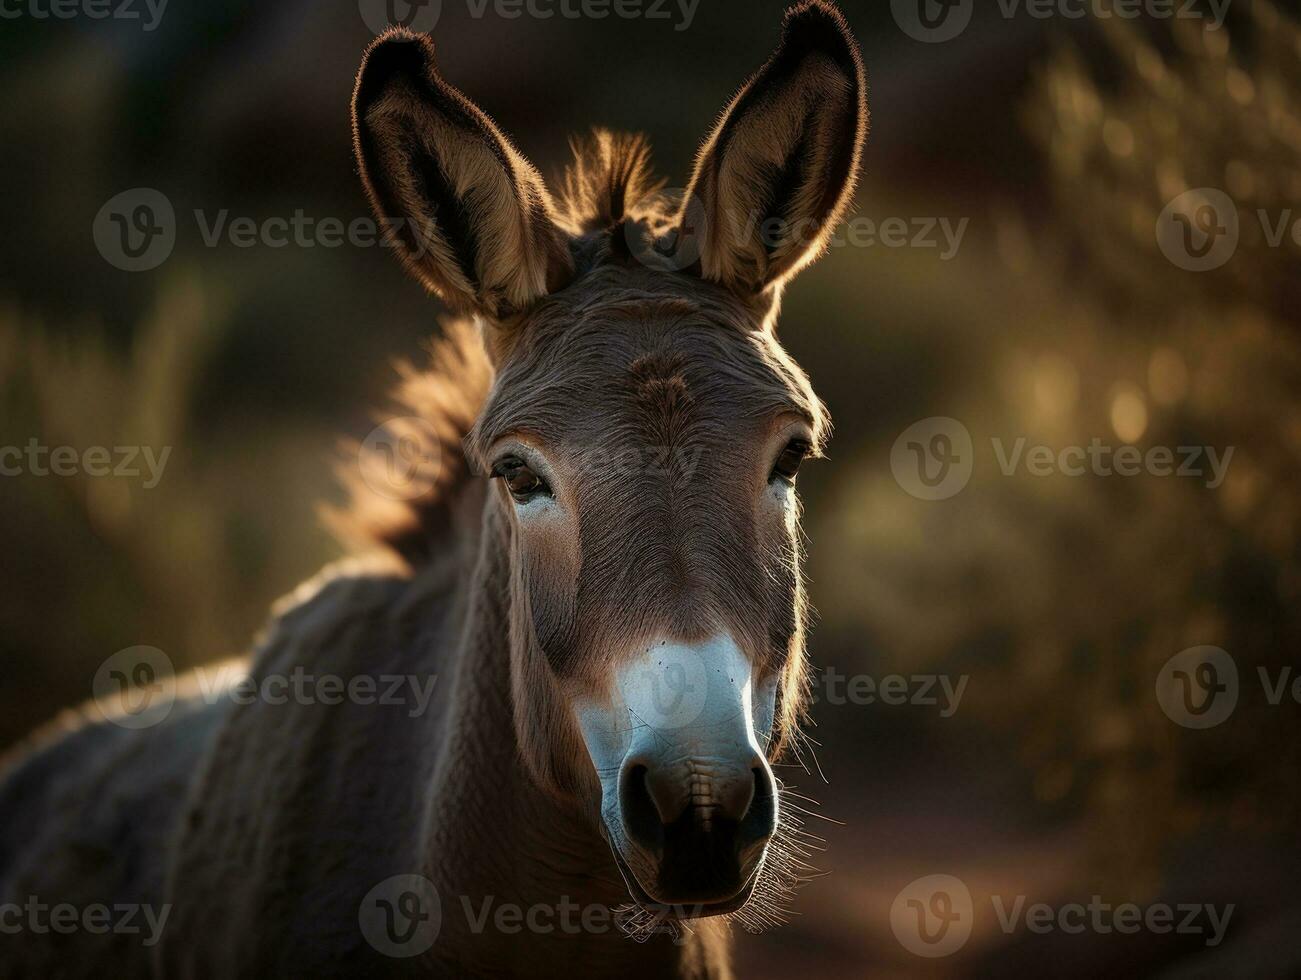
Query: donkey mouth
[[699, 864]]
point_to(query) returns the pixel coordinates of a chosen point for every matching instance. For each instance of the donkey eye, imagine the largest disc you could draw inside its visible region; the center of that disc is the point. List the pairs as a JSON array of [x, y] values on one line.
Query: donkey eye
[[521, 481], [788, 463]]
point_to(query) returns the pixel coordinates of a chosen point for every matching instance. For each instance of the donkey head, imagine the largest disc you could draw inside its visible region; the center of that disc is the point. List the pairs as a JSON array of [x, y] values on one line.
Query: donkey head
[[646, 428]]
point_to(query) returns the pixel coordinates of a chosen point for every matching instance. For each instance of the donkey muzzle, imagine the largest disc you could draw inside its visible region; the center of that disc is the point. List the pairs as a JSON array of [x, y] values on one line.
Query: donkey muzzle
[[689, 802], [701, 824]]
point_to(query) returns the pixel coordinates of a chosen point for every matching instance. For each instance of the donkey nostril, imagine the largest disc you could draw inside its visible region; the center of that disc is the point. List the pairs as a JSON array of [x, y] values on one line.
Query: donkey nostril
[[759, 820], [697, 808], [732, 797], [640, 815]]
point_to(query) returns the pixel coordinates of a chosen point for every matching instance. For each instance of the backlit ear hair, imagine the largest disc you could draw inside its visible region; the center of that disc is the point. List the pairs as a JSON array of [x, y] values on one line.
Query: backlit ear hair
[[778, 171], [469, 215]]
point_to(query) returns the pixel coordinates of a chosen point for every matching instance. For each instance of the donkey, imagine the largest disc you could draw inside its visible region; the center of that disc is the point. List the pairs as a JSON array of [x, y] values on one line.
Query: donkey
[[602, 572]]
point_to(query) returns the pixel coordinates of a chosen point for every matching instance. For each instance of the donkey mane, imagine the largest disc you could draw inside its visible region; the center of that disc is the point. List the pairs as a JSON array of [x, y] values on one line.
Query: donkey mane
[[609, 179], [434, 407]]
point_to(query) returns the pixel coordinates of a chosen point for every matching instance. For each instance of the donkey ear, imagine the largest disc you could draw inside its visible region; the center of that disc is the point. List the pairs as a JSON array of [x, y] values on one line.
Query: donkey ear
[[778, 171], [468, 214]]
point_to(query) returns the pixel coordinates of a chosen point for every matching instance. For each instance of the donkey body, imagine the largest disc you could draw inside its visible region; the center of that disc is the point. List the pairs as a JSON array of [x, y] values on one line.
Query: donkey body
[[546, 781]]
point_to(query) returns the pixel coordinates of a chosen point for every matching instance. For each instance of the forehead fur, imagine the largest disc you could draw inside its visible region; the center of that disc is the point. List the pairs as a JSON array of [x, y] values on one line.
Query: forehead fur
[[666, 339], [627, 344]]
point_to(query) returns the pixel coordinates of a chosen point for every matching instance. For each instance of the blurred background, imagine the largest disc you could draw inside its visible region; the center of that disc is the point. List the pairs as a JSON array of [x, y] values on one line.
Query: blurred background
[[1057, 318]]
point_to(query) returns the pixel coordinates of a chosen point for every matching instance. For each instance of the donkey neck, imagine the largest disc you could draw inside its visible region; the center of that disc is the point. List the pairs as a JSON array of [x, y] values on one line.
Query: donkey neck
[[525, 880]]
